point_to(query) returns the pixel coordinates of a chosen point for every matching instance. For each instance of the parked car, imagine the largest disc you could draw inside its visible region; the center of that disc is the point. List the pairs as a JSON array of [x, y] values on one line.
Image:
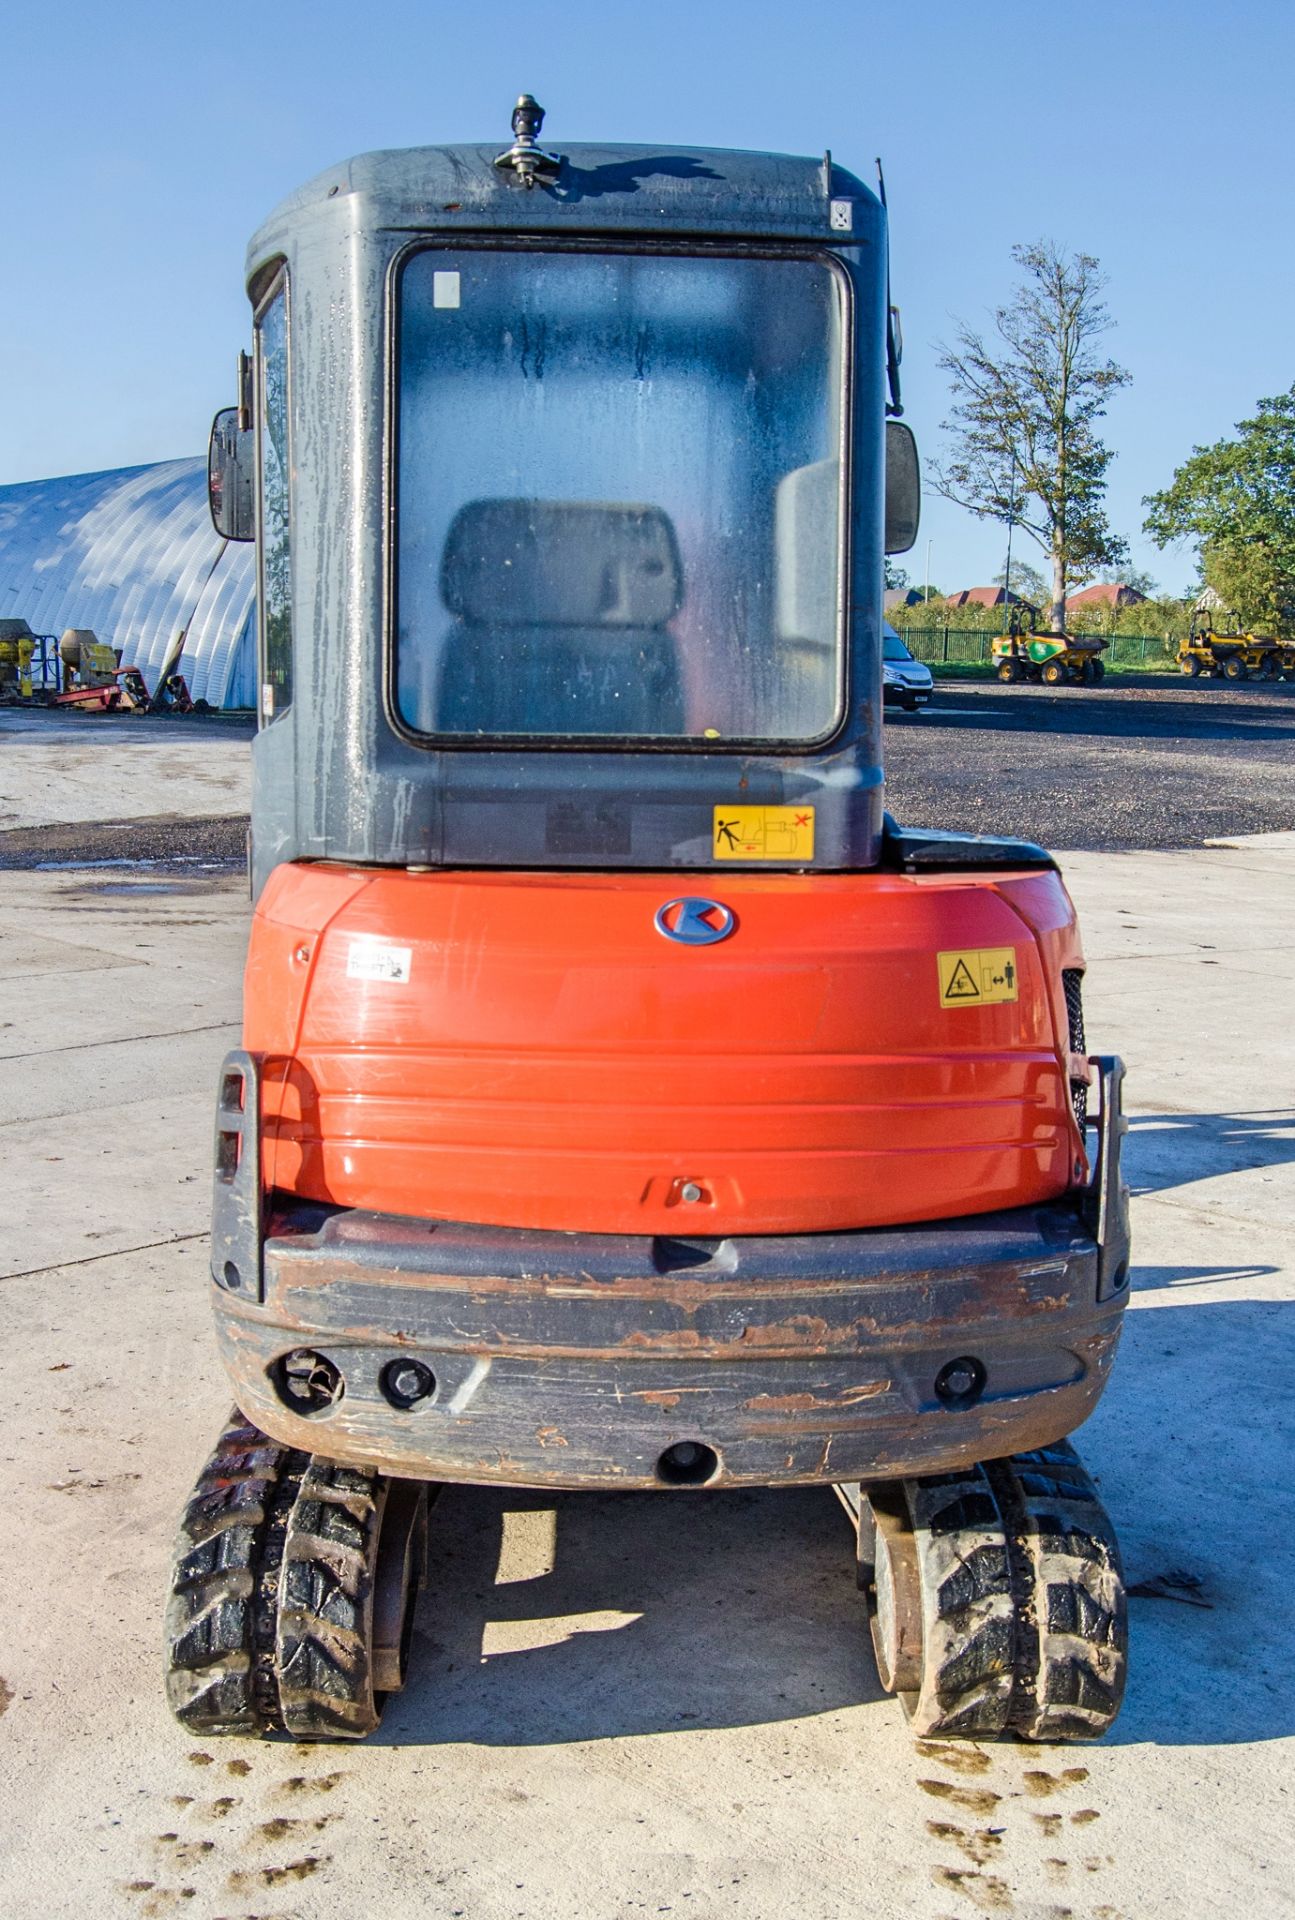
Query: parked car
[[905, 682]]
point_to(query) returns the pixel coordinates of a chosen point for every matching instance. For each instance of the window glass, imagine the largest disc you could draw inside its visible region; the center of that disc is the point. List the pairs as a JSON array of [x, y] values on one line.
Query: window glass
[[619, 496], [892, 647], [275, 544]]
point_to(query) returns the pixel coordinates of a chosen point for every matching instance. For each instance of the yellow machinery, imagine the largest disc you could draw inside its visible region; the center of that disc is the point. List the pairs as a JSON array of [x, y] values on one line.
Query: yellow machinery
[[88, 662], [17, 645], [1234, 656], [1055, 658]]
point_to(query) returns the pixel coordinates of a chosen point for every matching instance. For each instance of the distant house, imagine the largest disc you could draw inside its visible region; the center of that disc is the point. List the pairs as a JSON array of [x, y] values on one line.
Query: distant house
[[1108, 593], [986, 597], [902, 597]]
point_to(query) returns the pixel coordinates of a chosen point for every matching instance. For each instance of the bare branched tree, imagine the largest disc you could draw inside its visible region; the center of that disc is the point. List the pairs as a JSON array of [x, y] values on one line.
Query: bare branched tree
[[1024, 448]]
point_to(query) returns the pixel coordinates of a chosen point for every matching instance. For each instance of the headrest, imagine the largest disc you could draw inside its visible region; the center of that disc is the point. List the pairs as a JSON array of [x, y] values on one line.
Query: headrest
[[561, 563]]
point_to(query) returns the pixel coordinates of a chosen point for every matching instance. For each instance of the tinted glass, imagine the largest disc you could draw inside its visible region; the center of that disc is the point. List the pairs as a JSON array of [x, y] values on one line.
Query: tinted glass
[[276, 546], [893, 648], [619, 496]]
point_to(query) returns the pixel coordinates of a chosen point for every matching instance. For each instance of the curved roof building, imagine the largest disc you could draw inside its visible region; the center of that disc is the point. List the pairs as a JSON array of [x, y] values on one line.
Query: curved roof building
[[133, 555]]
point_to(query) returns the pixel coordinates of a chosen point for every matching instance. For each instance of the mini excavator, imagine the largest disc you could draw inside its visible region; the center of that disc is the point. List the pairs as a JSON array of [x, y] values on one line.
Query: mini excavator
[[625, 1099]]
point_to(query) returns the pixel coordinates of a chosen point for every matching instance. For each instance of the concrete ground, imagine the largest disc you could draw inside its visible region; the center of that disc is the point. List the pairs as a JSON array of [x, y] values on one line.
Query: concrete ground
[[637, 1704], [65, 768]]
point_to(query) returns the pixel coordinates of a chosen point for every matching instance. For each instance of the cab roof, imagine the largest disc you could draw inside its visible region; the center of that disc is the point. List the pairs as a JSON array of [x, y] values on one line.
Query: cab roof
[[667, 190]]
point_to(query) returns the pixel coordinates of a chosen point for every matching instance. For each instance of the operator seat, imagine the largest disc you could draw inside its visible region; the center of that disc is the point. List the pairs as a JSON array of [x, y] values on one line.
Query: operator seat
[[561, 610]]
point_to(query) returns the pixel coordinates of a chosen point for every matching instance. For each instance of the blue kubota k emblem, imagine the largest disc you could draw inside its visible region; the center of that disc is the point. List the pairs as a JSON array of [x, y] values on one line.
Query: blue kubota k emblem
[[694, 922]]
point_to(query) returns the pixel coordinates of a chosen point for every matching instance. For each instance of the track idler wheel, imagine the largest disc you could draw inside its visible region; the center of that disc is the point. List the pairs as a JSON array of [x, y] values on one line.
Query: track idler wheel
[[293, 1592], [998, 1600]]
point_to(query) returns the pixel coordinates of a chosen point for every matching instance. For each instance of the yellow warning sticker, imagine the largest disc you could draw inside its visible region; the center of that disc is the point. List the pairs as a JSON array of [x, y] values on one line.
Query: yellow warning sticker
[[764, 833], [978, 977]]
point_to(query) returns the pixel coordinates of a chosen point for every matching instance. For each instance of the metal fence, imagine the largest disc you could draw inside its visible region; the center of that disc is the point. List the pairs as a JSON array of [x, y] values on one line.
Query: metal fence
[[943, 646]]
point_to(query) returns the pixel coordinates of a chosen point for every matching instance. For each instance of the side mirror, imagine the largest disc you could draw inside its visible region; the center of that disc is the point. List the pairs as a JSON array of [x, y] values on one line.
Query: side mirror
[[230, 467], [903, 487]]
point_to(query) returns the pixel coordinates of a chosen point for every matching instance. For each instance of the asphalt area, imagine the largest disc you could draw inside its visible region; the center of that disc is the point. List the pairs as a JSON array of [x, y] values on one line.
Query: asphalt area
[[1160, 765], [1101, 769], [174, 844]]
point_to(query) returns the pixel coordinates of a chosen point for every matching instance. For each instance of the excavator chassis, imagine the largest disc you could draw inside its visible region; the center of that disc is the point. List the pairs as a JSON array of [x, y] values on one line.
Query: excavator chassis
[[929, 1374]]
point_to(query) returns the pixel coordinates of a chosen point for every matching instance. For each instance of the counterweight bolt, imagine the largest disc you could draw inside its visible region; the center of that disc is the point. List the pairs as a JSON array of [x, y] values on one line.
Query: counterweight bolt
[[408, 1381]]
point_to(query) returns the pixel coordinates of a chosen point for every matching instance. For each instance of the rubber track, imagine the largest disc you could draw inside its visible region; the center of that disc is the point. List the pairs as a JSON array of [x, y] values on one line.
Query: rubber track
[[1023, 1611], [968, 1606], [325, 1626], [1072, 1687], [211, 1613], [269, 1621]]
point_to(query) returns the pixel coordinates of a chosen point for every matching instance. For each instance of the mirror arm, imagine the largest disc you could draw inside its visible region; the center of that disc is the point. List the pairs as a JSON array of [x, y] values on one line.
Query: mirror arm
[[244, 390]]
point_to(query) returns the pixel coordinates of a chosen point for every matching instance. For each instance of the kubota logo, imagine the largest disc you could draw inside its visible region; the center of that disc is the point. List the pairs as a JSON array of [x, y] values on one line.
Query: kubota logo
[[695, 923]]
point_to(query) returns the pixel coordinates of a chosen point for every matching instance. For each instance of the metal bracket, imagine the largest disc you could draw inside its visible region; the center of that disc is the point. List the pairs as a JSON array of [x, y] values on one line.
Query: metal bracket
[[525, 158], [236, 1202], [246, 392], [1106, 1199], [854, 1498]]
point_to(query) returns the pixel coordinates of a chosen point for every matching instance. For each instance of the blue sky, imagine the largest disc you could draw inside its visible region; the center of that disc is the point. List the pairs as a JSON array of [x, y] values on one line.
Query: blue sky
[[144, 143]]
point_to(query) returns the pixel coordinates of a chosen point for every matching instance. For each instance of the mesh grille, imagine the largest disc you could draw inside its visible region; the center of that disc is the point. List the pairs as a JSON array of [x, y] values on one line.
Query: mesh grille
[[1072, 979]]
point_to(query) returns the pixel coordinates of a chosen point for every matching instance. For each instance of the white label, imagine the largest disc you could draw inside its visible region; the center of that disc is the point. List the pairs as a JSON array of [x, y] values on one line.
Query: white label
[[367, 960], [843, 216], [445, 289], [267, 701]]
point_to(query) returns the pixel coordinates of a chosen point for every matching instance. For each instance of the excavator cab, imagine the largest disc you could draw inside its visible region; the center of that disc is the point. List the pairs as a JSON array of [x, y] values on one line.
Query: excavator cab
[[625, 1100]]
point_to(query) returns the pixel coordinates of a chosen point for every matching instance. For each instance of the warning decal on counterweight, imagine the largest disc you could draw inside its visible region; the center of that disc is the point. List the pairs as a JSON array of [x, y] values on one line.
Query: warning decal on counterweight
[[978, 977]]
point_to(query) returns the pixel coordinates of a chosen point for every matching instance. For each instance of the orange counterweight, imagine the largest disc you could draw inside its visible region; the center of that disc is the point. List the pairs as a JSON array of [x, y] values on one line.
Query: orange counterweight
[[528, 1050]]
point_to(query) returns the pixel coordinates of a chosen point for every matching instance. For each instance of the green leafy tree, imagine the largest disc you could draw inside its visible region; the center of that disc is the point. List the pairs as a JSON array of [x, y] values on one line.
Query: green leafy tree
[[896, 578], [1024, 446], [1027, 583], [1136, 577], [1237, 498]]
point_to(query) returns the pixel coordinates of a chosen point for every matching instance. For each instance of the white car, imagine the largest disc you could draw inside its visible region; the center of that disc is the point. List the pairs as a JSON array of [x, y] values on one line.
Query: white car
[[905, 682]]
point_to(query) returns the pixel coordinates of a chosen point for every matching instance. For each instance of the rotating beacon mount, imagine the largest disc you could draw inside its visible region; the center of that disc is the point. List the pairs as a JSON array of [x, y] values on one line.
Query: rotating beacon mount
[[524, 158]]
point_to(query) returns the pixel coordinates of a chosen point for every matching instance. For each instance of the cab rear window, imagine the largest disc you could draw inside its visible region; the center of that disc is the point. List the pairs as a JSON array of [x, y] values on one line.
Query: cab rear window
[[619, 486]]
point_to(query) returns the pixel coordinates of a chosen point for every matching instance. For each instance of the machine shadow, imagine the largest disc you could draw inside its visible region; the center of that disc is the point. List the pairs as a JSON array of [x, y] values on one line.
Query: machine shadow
[[1148, 1279], [659, 1613], [1199, 1401], [627, 176], [1167, 1150], [654, 1614]]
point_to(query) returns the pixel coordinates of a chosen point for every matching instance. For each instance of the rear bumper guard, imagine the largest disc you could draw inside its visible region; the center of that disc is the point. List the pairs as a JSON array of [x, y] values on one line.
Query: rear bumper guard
[[571, 1360]]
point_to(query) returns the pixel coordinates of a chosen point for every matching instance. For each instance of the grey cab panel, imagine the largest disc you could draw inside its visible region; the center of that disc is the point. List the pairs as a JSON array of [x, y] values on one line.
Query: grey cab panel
[[586, 509]]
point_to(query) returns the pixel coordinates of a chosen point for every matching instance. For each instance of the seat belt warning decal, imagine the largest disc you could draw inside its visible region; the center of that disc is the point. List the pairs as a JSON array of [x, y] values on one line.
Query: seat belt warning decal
[[764, 833], [978, 977]]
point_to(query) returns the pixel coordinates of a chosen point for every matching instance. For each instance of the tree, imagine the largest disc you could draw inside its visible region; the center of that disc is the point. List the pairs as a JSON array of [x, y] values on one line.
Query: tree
[[1136, 577], [896, 577], [1027, 583], [1237, 498], [1026, 402]]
